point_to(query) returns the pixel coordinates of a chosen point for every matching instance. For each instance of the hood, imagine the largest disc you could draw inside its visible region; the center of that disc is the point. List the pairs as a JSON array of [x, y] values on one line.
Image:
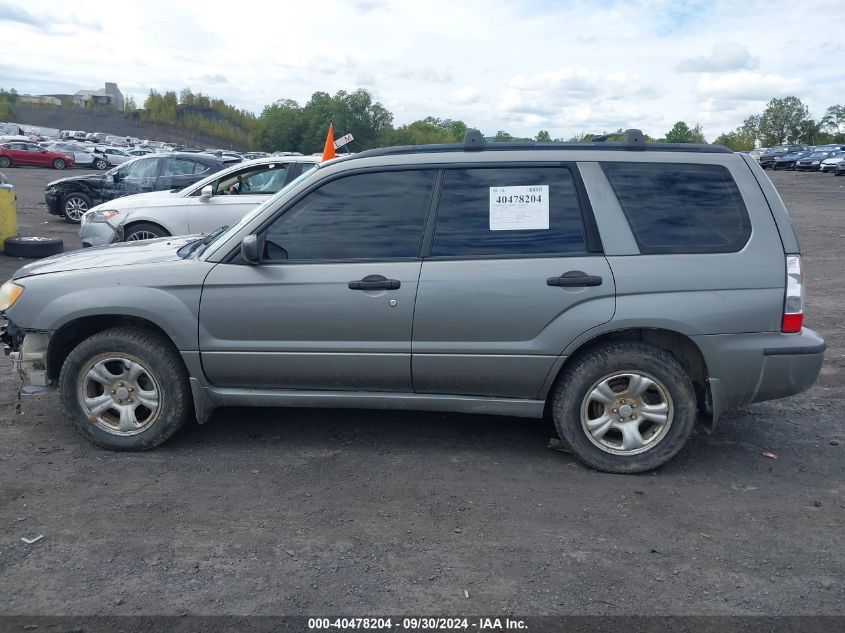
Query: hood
[[94, 178], [123, 254], [139, 200]]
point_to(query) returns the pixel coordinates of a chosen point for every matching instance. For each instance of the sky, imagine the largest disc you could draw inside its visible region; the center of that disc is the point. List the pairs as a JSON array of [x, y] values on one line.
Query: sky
[[517, 65]]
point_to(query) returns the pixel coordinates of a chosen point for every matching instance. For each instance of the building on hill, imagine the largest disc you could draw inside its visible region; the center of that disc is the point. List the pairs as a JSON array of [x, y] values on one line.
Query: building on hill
[[110, 97]]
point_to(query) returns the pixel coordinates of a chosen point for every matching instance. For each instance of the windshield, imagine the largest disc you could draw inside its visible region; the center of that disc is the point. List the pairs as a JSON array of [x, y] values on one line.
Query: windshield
[[819, 155], [260, 208]]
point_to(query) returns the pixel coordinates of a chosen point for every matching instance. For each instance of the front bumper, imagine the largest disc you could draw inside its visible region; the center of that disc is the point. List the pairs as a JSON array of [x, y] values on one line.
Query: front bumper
[[99, 233], [51, 196], [28, 352]]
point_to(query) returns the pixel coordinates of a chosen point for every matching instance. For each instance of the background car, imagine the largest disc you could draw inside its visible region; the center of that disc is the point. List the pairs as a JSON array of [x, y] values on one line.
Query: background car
[[787, 161], [82, 157], [220, 199], [829, 163], [840, 168], [812, 161], [113, 155], [767, 158], [72, 197], [23, 154]]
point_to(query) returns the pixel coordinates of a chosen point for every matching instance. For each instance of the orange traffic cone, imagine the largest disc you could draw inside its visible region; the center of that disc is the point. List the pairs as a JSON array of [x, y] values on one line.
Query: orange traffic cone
[[328, 150]]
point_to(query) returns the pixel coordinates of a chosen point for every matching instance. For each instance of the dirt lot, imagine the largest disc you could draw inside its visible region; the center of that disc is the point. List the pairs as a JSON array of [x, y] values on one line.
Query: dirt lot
[[357, 512]]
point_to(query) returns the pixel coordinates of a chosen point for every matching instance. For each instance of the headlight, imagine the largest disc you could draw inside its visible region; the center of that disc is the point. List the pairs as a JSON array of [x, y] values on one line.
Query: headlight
[[101, 216], [10, 292]]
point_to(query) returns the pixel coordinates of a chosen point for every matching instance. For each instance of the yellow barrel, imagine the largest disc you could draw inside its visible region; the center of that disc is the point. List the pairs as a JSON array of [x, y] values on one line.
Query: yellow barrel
[[8, 214]]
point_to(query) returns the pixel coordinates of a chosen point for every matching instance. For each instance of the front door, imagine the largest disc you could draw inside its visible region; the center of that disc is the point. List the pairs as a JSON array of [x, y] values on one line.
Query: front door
[[511, 280], [235, 194], [138, 176], [330, 306]]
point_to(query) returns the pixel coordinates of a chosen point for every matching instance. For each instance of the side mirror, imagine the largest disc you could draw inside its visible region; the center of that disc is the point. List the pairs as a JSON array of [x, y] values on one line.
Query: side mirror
[[206, 193], [251, 249]]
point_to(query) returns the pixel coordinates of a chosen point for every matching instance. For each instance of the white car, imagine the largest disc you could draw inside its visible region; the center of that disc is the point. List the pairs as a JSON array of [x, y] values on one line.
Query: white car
[[220, 199], [113, 155], [82, 155], [830, 163]]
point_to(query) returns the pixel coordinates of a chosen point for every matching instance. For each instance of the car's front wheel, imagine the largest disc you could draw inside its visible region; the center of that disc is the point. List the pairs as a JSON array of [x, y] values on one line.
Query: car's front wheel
[[624, 407], [100, 164], [126, 389], [74, 206], [144, 231]]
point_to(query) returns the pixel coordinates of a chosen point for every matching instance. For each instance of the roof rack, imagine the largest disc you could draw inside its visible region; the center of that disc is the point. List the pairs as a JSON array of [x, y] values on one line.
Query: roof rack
[[634, 140]]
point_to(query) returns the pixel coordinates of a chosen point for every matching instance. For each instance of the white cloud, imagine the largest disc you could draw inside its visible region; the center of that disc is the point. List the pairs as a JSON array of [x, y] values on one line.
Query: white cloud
[[566, 67], [725, 57], [748, 86]]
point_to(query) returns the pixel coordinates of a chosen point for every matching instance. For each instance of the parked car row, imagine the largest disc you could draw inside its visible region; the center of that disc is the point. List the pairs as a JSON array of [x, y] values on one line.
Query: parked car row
[[823, 158]]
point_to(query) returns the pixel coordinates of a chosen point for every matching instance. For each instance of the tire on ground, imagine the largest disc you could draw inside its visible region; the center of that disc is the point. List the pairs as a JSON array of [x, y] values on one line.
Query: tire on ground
[[59, 163], [5, 161], [32, 246], [165, 365], [579, 380]]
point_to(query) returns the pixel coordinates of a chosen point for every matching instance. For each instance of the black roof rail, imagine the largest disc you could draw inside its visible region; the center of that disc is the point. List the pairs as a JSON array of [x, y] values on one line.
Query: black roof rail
[[634, 140]]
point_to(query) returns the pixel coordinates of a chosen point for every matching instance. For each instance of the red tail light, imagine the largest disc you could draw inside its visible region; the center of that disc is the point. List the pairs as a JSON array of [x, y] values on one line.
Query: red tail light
[[793, 303]]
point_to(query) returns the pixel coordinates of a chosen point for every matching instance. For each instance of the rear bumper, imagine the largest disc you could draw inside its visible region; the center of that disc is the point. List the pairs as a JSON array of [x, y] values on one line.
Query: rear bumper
[[761, 366]]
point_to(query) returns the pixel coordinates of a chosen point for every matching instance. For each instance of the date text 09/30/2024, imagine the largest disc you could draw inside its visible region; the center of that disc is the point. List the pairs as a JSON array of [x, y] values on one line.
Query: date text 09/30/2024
[[418, 624]]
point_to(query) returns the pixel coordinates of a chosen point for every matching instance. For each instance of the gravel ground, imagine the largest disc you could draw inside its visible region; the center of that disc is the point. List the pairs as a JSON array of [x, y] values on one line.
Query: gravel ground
[[363, 512]]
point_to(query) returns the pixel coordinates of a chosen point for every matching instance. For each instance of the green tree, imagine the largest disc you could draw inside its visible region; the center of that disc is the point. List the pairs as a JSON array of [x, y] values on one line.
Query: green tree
[[129, 105], [682, 133], [543, 136], [6, 112], [742, 138], [783, 121], [418, 133], [456, 128], [503, 137]]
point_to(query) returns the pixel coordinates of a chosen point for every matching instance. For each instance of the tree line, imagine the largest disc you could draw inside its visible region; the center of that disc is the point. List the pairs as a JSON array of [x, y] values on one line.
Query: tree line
[[287, 125]]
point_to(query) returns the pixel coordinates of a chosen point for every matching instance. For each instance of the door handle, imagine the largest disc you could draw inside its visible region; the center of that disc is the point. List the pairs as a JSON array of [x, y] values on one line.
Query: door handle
[[574, 279], [375, 282]]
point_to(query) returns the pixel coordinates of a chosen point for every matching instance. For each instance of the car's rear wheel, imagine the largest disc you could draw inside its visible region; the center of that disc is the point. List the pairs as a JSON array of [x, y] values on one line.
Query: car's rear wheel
[[59, 163], [624, 407], [144, 231], [74, 206], [126, 389], [5, 161]]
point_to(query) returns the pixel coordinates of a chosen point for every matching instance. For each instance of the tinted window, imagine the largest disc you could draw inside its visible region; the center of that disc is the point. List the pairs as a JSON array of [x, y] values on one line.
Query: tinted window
[[471, 221], [365, 216], [680, 208]]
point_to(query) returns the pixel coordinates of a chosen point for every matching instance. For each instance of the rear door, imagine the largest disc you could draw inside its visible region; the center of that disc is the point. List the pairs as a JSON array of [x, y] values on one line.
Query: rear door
[[178, 172], [514, 273]]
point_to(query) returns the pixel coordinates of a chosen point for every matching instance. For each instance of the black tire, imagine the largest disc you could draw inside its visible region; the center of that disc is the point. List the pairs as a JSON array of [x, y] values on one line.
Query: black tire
[[164, 364], [578, 380], [33, 247], [59, 163], [74, 205], [100, 164], [5, 162], [143, 230]]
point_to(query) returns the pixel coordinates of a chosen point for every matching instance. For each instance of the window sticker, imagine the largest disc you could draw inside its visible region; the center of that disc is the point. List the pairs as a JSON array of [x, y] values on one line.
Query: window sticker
[[519, 208]]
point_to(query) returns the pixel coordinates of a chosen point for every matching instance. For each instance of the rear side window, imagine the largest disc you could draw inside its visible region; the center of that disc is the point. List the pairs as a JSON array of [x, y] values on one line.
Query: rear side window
[[677, 208], [505, 211]]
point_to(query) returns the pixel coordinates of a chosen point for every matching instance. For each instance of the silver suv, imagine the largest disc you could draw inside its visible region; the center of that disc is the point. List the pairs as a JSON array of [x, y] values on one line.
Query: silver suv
[[625, 290]]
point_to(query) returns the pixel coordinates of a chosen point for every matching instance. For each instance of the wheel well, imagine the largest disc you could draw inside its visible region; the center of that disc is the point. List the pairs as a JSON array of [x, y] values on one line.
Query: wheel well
[[66, 338], [679, 345], [129, 226]]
